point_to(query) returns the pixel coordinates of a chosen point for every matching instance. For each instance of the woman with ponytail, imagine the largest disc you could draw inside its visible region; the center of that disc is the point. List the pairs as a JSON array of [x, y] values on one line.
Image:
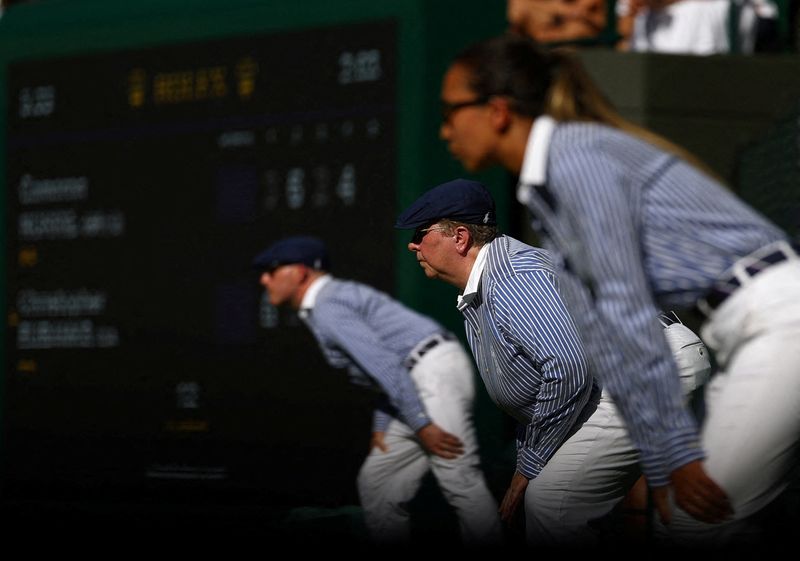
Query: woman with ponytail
[[636, 225]]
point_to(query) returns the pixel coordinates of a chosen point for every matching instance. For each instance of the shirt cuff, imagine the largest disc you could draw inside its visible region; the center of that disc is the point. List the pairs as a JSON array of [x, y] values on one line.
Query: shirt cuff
[[529, 463], [418, 420], [682, 449], [676, 452], [380, 421]]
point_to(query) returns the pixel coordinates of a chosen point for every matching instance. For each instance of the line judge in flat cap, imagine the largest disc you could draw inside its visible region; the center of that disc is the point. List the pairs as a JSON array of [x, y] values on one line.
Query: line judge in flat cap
[[426, 380], [574, 459]]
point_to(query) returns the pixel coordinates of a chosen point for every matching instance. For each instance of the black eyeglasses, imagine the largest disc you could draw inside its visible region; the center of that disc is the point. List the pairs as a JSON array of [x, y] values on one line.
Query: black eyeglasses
[[449, 108], [420, 233]]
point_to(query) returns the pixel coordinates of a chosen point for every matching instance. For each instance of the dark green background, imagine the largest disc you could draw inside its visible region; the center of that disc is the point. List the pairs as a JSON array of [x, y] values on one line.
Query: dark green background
[[729, 110]]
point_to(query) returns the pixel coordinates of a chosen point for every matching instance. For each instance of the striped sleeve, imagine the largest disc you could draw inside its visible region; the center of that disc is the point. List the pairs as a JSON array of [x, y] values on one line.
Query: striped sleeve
[[343, 325], [532, 317], [636, 365]]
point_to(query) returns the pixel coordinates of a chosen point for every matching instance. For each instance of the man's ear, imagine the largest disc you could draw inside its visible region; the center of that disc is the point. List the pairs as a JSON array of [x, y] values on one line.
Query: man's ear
[[463, 239], [501, 113], [301, 272]]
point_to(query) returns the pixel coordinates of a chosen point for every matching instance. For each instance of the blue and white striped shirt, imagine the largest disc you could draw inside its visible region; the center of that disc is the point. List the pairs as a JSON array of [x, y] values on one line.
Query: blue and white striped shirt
[[634, 229], [526, 347], [369, 334]]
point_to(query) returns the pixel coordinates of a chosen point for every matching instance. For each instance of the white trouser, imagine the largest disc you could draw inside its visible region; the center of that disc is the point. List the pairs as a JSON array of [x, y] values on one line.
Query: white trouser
[[388, 480], [583, 481], [752, 423]]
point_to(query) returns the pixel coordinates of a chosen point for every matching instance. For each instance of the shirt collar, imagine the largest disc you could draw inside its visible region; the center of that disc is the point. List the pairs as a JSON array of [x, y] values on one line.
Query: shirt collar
[[310, 297], [534, 163], [471, 290]]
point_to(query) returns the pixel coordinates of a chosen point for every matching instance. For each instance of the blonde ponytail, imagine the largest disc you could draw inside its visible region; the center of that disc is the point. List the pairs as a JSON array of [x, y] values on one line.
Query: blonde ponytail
[[574, 96]]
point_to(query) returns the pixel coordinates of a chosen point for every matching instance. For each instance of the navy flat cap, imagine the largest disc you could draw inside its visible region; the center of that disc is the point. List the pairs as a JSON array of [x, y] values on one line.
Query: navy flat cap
[[460, 200], [307, 250]]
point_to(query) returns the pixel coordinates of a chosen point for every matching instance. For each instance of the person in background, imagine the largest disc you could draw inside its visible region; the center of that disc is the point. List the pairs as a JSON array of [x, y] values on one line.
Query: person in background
[[425, 378], [636, 227], [696, 27], [555, 21], [575, 461]]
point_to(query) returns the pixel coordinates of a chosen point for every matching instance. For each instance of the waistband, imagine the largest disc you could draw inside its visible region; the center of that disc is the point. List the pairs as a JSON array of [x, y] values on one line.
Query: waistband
[[424, 346], [746, 267]]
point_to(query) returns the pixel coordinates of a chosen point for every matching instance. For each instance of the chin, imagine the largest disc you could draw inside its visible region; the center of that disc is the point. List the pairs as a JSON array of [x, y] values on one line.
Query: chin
[[430, 273], [464, 163], [471, 165]]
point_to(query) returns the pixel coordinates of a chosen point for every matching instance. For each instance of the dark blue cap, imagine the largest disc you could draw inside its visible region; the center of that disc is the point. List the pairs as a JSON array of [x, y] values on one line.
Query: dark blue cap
[[307, 250], [460, 200]]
